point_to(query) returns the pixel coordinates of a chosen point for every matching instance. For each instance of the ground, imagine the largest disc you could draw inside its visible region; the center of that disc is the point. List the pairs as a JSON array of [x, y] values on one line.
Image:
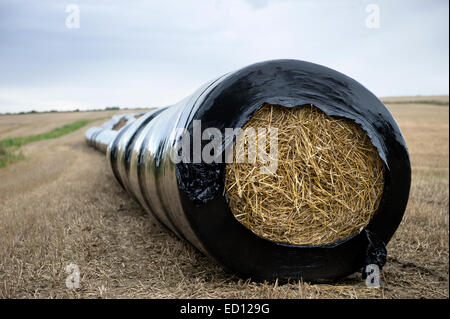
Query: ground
[[62, 205]]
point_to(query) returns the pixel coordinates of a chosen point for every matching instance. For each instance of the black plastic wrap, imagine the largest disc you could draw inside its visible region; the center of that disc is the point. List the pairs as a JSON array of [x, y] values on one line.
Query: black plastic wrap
[[189, 198]]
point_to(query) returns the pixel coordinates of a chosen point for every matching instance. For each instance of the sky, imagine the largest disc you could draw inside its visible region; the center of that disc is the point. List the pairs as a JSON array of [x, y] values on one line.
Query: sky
[[153, 53]]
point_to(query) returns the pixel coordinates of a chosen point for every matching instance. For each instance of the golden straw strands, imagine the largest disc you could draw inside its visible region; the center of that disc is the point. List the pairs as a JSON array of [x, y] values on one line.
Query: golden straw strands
[[327, 186]]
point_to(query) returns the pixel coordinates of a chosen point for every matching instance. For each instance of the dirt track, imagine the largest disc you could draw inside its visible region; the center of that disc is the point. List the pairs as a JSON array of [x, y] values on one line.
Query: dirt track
[[62, 205]]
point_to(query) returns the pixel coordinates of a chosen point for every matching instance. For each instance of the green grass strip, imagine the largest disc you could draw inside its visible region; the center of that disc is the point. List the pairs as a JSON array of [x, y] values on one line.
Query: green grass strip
[[8, 146], [8, 157], [57, 132]]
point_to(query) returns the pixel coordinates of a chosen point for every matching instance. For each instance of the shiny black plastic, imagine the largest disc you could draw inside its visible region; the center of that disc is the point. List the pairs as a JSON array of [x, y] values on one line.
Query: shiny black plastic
[[190, 199]]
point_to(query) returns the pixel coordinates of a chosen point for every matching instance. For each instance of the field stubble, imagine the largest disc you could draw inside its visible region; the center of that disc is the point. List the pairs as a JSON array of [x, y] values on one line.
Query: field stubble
[[61, 205]]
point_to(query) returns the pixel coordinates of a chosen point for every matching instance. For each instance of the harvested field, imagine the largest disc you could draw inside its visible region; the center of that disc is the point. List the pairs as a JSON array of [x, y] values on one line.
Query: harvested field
[[61, 205]]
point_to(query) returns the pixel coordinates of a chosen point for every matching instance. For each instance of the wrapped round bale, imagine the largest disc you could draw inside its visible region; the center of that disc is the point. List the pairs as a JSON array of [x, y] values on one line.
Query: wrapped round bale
[[334, 198]]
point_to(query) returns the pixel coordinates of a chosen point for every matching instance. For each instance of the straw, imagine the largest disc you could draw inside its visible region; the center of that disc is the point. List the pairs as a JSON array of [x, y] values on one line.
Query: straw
[[120, 124], [327, 186]]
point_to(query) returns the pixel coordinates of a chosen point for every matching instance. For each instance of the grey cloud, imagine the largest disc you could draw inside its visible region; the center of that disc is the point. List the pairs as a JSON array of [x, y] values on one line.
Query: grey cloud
[[155, 53]]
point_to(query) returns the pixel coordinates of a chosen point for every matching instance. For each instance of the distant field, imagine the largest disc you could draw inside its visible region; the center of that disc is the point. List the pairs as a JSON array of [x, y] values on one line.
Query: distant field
[[38, 123], [62, 205], [436, 99]]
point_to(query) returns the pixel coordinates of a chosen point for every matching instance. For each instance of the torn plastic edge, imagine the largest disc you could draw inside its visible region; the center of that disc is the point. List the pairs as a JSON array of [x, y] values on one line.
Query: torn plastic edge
[[368, 129]]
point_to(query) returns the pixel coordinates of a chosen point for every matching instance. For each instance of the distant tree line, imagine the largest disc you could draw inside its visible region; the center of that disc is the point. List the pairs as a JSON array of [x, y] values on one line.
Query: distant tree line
[[108, 108]]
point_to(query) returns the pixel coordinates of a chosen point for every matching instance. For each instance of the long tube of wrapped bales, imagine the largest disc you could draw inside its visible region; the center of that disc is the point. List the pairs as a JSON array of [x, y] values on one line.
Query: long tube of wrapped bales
[[334, 202]]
